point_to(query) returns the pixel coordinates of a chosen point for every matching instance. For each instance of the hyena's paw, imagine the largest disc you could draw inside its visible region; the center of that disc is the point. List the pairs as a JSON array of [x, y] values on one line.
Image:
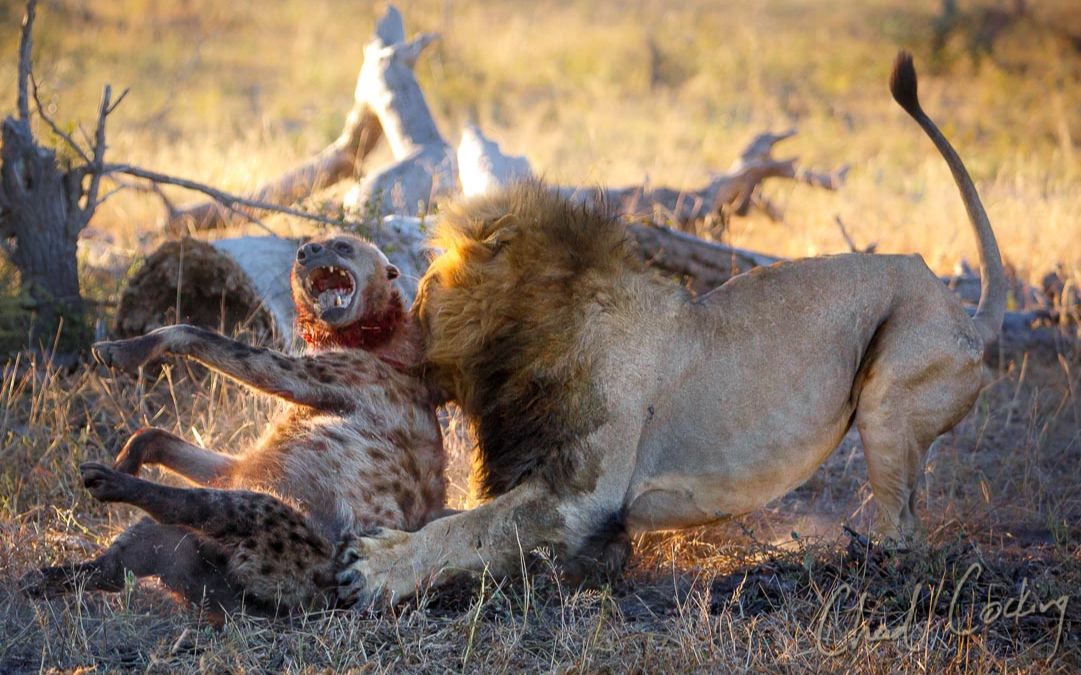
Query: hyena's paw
[[105, 484], [135, 452], [365, 566], [129, 354], [48, 582]]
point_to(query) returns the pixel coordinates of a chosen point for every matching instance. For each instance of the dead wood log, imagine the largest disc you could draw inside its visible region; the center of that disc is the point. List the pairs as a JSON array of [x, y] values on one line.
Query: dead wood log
[[189, 281], [737, 190], [702, 265], [388, 100], [482, 166]]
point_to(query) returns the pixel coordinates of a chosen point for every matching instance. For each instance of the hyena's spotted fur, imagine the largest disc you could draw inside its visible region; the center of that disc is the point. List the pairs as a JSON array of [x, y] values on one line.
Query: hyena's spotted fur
[[358, 448]]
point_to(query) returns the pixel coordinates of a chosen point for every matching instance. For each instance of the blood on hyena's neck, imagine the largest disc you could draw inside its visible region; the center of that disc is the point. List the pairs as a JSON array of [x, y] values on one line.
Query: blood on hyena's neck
[[389, 333]]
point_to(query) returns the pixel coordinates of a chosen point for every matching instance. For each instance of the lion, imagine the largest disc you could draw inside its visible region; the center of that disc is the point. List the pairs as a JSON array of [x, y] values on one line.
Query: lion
[[357, 446], [607, 401]]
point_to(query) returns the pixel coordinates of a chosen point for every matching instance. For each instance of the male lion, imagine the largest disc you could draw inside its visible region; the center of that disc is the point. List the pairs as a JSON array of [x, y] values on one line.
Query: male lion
[[357, 446], [606, 400]]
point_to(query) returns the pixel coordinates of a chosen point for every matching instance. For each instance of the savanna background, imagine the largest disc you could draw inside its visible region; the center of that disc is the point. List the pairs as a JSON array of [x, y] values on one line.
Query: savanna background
[[592, 92]]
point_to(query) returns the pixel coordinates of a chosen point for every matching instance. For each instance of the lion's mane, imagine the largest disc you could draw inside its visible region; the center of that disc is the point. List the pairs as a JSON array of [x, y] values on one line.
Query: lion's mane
[[506, 309]]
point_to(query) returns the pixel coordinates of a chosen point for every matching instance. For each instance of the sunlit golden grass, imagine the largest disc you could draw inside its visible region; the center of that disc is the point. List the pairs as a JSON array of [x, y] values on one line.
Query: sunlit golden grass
[[611, 92], [747, 594], [607, 93]]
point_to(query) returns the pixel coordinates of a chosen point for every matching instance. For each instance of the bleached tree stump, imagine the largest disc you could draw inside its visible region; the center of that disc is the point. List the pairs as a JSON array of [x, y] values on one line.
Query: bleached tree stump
[[424, 167], [386, 101], [482, 165]]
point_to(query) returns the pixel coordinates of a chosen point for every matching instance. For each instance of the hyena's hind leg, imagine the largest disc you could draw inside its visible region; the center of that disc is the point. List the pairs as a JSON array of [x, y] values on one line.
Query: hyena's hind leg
[[157, 446], [186, 563], [274, 552]]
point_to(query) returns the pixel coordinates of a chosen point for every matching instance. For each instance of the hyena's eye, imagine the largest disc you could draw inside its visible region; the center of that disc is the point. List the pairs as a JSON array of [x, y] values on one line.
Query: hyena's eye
[[343, 248]]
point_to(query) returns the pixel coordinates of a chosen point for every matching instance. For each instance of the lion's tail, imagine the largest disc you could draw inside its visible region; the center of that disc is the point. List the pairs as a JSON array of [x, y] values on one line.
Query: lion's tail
[[992, 306]]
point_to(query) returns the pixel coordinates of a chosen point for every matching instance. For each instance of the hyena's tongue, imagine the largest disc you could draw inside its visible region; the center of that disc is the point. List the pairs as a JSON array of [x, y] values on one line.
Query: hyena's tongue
[[334, 286], [334, 297]]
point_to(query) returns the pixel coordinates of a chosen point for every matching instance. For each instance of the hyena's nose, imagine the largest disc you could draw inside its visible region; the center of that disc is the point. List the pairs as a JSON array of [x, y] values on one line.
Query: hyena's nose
[[308, 251]]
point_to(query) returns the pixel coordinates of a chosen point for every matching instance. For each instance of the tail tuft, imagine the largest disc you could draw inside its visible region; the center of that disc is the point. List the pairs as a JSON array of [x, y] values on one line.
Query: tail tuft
[[903, 83]]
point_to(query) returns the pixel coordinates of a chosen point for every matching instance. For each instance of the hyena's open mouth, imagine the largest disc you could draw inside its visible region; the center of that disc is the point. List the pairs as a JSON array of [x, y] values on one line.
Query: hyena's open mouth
[[331, 287]]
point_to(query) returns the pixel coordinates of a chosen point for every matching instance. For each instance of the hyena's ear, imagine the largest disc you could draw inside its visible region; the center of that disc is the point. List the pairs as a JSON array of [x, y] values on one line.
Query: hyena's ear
[[393, 272]]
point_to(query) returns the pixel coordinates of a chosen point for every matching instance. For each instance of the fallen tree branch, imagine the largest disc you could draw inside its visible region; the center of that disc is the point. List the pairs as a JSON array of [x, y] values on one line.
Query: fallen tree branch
[[424, 168], [388, 101], [333, 164], [703, 265], [736, 189], [231, 202]]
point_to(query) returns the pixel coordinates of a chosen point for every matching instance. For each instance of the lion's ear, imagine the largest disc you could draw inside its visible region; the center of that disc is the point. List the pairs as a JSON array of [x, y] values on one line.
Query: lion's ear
[[502, 230]]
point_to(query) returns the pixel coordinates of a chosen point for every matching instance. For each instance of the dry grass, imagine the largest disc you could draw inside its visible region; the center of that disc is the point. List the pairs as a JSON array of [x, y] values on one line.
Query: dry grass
[[1001, 492], [231, 93]]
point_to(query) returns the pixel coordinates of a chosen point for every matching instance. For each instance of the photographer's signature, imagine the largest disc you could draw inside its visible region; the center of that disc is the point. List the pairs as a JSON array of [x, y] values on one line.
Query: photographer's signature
[[958, 621]]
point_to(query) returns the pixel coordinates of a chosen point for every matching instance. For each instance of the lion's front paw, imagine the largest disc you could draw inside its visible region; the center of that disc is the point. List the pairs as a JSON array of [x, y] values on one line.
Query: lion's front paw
[[365, 565], [129, 354], [105, 484], [354, 589]]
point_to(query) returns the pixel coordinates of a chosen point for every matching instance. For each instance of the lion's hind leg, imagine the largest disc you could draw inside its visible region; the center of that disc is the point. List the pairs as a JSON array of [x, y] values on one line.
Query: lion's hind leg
[[895, 469], [915, 390]]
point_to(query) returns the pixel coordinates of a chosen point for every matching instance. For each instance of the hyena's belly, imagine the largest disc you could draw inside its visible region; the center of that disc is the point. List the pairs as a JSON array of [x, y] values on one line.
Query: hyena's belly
[[379, 466]]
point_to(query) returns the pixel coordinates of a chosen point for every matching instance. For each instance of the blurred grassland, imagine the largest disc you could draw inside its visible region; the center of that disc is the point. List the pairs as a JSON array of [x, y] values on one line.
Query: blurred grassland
[[609, 92]]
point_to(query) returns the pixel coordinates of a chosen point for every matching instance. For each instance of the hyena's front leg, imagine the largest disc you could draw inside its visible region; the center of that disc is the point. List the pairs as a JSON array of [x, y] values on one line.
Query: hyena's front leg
[[159, 447], [321, 381]]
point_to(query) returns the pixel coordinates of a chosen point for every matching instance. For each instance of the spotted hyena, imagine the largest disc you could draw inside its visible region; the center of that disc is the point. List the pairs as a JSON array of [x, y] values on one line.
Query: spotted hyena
[[358, 447]]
